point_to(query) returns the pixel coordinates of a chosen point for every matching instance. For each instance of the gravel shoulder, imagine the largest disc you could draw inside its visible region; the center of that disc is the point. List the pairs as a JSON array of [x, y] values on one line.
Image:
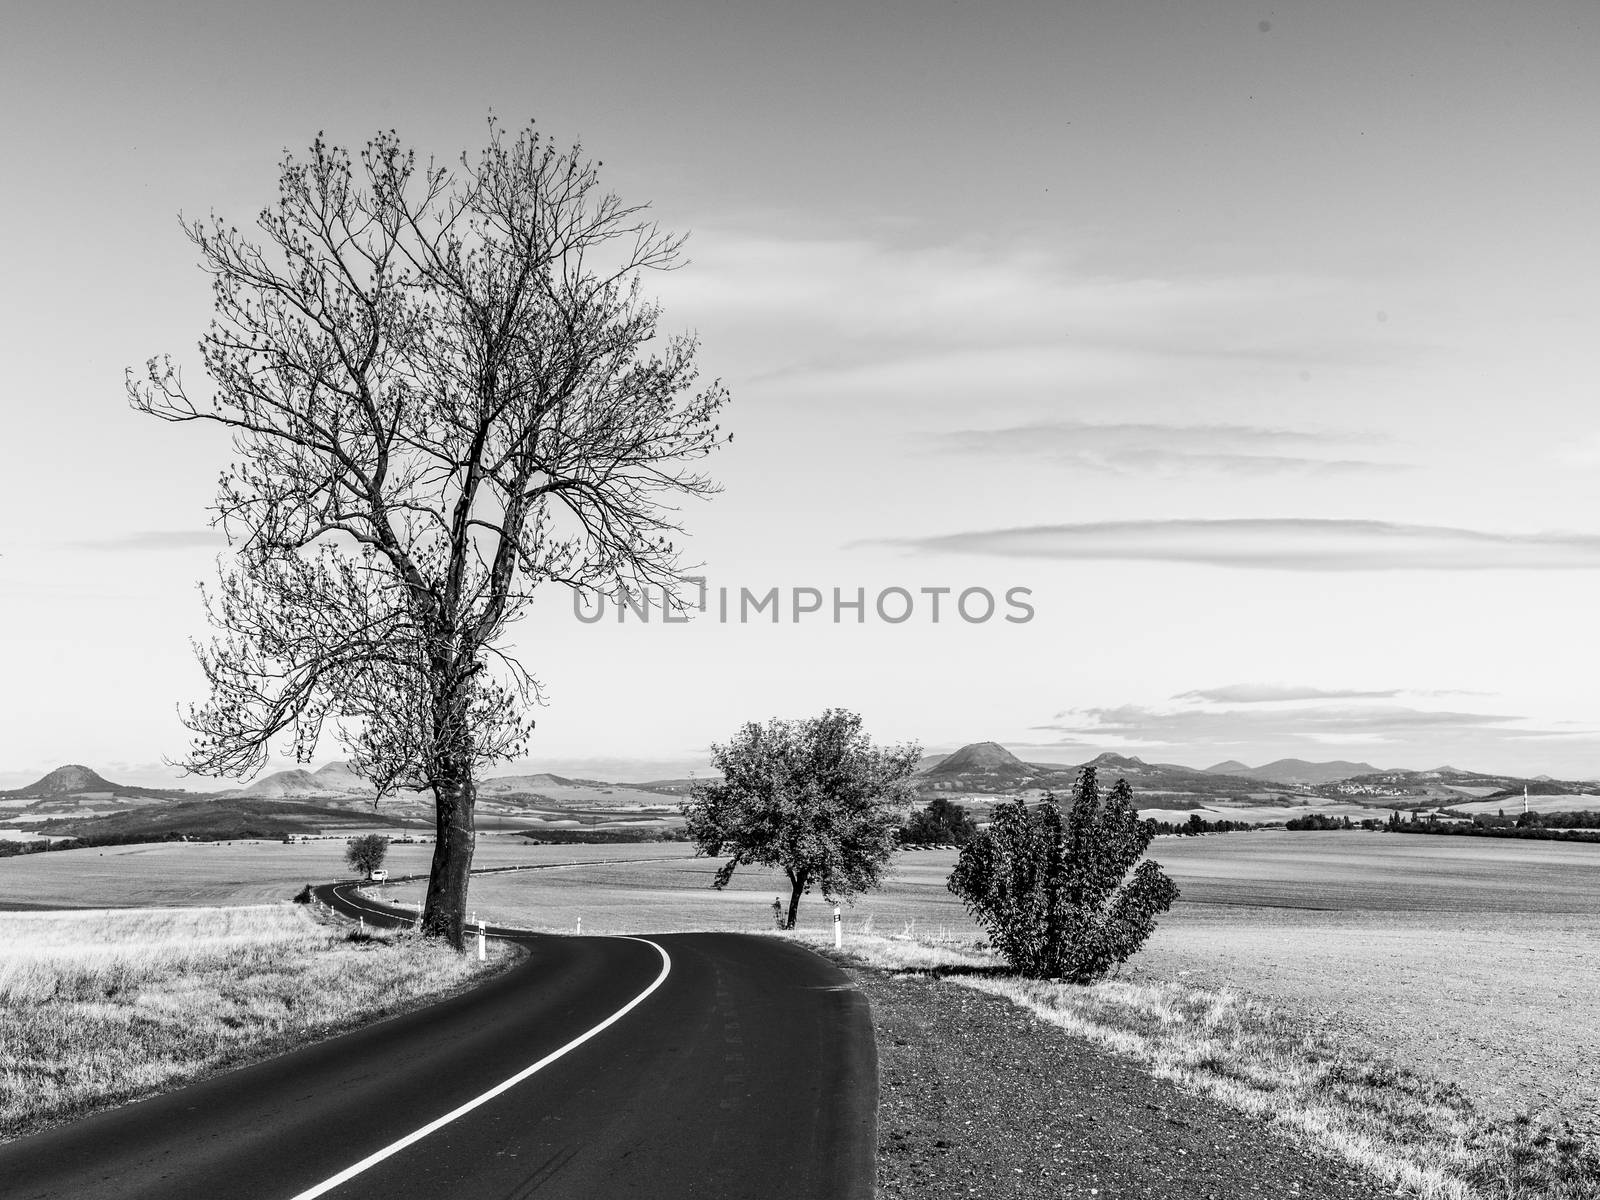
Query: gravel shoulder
[[980, 1098]]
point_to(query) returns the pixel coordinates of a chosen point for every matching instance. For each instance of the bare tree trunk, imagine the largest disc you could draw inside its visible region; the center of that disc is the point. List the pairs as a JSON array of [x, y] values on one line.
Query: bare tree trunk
[[455, 797], [799, 885]]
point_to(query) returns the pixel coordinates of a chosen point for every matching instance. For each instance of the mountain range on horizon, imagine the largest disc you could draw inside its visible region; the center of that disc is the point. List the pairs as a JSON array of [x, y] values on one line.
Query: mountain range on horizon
[[978, 767], [1294, 770]]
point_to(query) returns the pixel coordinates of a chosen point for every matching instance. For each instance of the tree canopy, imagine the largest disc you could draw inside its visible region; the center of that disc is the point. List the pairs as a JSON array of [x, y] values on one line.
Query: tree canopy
[[366, 852], [812, 797], [444, 387], [940, 823]]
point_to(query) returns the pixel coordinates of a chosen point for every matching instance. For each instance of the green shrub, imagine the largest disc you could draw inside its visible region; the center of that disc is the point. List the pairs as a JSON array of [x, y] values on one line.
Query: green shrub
[[1058, 890]]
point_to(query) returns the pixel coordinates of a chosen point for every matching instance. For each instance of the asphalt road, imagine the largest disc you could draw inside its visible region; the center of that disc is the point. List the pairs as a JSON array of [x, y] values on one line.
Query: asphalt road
[[748, 1071]]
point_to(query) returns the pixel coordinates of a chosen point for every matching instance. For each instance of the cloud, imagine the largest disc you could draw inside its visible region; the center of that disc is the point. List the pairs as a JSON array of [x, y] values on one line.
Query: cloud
[[1137, 723], [1267, 693], [1380, 731], [1166, 448], [1275, 543], [156, 539], [954, 323]]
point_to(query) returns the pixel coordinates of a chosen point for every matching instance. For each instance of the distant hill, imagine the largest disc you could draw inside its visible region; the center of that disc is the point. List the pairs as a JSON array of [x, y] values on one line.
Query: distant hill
[[675, 787], [229, 817], [339, 775], [1294, 771], [981, 767], [1231, 767], [338, 781], [1445, 785], [523, 784], [1152, 779], [74, 780], [1539, 787], [281, 784], [69, 780], [335, 795], [335, 779], [987, 768]]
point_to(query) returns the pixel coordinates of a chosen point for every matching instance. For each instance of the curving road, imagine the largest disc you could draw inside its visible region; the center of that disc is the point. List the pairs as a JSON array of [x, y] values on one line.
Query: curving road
[[732, 1066]]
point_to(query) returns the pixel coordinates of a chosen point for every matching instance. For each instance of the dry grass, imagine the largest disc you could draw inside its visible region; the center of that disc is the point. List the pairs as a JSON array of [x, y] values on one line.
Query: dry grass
[[101, 1007], [1421, 1137]]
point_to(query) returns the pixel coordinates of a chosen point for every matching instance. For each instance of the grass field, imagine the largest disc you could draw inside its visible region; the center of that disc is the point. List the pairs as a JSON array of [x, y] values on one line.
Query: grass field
[[99, 1007]]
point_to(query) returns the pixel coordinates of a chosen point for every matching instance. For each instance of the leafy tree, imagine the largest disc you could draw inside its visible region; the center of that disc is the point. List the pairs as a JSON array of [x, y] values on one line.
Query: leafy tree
[[1054, 889], [814, 798], [443, 387], [366, 852], [939, 823]]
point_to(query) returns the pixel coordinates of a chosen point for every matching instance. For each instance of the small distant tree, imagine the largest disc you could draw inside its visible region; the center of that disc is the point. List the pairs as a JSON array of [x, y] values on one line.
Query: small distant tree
[[367, 852], [1058, 890], [813, 798], [940, 822]]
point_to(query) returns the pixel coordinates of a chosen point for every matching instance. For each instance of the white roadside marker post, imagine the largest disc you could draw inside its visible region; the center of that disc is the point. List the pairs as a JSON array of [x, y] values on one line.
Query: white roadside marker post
[[838, 930], [482, 953], [363, 921], [580, 926]]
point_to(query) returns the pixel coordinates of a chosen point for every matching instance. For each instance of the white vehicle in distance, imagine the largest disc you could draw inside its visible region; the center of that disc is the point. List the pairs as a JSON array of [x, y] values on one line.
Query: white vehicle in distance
[[379, 876]]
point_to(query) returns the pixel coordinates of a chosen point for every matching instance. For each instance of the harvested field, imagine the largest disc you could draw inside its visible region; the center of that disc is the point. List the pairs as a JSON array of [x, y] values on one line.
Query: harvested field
[[245, 872], [1472, 960], [675, 893], [1266, 814], [1512, 805]]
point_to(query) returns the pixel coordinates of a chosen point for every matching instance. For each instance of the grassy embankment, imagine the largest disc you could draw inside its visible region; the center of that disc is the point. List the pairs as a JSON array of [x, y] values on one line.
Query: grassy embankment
[[1420, 1136], [100, 1007]]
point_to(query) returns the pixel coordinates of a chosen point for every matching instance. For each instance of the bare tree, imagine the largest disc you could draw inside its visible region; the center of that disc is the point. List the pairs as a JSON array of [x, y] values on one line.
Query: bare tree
[[444, 387]]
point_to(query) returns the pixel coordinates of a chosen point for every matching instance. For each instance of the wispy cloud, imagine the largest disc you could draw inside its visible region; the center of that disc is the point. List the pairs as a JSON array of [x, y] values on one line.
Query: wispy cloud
[[156, 539], [1129, 446], [1421, 735], [1292, 544], [834, 318], [1268, 693], [1138, 723]]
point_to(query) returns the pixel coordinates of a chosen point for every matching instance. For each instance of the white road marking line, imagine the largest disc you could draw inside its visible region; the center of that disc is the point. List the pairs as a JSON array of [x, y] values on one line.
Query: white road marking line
[[393, 1148]]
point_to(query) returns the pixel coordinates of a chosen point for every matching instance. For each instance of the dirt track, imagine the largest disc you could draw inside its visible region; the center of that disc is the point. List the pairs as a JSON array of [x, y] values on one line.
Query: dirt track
[[978, 1098]]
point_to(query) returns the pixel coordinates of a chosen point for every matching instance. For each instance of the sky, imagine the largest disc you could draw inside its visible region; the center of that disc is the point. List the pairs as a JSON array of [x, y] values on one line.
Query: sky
[[1253, 341]]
